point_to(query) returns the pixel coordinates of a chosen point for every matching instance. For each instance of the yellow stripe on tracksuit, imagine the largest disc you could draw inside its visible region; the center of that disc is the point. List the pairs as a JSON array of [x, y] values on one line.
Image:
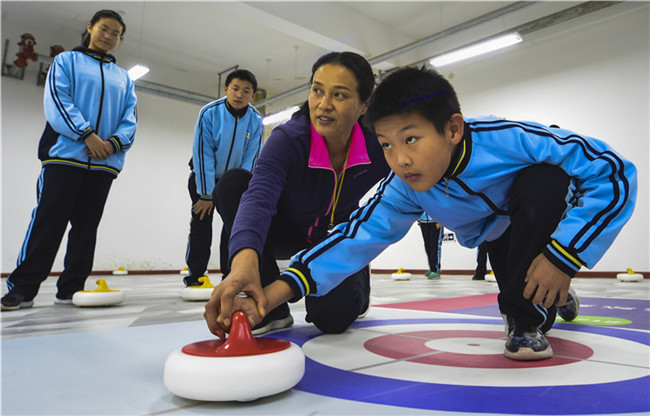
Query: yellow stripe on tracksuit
[[302, 277]]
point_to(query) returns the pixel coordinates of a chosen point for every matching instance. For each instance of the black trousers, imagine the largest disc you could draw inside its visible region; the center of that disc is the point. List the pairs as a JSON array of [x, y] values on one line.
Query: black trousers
[[199, 241], [538, 201], [481, 261], [331, 313], [65, 194], [432, 236]]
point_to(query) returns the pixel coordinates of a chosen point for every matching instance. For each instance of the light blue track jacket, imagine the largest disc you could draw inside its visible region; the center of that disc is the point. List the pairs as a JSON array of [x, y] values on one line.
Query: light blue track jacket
[[85, 92], [472, 200], [222, 142]]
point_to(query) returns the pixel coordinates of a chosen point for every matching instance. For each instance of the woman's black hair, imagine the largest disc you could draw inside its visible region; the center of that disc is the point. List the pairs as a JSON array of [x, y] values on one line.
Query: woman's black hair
[[100, 15], [356, 63], [410, 90]]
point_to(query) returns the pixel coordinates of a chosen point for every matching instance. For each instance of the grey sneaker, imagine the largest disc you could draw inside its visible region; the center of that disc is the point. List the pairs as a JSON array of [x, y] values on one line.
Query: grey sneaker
[[571, 308], [13, 301], [278, 318], [525, 343], [63, 301]]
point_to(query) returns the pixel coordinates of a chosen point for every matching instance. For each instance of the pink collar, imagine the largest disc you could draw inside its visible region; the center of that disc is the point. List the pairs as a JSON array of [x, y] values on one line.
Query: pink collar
[[319, 157]]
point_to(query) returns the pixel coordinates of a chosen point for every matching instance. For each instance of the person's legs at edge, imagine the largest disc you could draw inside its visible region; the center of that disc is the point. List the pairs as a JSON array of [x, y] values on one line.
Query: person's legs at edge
[[538, 200]]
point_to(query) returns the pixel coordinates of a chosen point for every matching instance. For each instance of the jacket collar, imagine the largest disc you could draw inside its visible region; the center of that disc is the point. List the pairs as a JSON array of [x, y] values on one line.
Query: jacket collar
[[461, 156], [319, 156], [95, 54]]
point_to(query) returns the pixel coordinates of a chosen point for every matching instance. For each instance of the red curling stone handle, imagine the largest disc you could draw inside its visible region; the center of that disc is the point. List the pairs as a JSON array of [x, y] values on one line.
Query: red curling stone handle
[[240, 342]]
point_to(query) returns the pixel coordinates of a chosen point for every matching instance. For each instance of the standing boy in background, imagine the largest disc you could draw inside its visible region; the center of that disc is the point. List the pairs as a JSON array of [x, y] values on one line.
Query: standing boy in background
[[228, 135], [547, 202], [432, 233]]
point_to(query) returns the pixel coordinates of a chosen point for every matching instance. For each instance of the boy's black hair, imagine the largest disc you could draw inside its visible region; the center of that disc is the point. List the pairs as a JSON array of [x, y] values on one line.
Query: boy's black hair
[[111, 14], [243, 75], [356, 63], [414, 90]]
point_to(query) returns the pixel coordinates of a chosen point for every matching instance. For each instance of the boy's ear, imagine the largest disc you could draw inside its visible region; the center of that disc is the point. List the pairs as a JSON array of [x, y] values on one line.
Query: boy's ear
[[456, 127]]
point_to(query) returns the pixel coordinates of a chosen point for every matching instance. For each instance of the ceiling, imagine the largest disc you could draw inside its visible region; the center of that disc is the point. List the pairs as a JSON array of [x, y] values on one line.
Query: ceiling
[[188, 44]]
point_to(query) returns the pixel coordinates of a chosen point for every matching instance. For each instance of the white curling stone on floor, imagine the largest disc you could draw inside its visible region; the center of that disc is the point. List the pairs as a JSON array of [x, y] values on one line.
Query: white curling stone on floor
[[102, 296], [120, 272], [629, 276], [233, 378], [490, 278], [196, 293], [241, 368], [203, 292], [401, 275]]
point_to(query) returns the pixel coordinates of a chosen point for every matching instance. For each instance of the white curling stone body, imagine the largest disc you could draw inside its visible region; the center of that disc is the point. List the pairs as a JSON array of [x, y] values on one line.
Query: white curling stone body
[[401, 276], [120, 273], [490, 278], [97, 298], [197, 293], [629, 277], [233, 378]]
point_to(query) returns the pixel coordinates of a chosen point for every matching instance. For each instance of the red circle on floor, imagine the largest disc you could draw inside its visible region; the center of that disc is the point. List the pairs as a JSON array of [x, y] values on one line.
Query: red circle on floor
[[413, 344]]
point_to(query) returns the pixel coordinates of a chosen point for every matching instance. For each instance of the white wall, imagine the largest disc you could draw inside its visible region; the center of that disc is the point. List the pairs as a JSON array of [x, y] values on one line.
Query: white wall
[[593, 80]]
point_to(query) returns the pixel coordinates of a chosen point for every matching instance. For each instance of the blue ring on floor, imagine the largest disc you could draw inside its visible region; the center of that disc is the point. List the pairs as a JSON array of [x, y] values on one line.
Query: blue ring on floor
[[552, 400]]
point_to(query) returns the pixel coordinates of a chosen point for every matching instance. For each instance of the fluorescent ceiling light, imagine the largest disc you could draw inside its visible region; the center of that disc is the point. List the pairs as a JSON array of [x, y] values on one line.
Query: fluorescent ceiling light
[[138, 71], [476, 49], [281, 116]]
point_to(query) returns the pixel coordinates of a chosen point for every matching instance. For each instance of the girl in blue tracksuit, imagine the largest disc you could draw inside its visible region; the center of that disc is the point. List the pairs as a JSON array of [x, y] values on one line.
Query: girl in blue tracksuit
[[90, 107], [546, 201]]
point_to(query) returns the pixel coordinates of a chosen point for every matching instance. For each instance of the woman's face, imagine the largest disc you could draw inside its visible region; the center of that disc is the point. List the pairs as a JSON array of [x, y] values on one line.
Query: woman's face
[[105, 34], [334, 103]]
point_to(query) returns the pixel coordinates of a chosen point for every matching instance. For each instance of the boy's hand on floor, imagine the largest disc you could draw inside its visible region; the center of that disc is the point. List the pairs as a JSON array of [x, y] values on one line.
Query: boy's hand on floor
[[547, 283]]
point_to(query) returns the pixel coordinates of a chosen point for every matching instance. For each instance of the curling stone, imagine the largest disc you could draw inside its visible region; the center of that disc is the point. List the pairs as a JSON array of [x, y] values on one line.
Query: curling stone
[[202, 292], [102, 296], [120, 272], [629, 276], [241, 368], [185, 271], [490, 277], [401, 275]]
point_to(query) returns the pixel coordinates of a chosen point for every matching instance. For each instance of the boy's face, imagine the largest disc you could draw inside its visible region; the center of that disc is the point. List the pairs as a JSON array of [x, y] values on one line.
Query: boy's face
[[415, 150], [239, 93]]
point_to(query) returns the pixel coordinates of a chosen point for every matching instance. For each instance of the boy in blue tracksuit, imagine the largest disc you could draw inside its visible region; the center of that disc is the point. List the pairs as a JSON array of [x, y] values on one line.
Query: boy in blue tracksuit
[[90, 107], [546, 201], [228, 135]]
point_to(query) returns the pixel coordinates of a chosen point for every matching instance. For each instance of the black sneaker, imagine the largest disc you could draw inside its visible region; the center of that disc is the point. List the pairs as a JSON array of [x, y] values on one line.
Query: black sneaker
[[14, 300], [478, 277], [278, 318], [525, 343], [571, 308], [191, 281]]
